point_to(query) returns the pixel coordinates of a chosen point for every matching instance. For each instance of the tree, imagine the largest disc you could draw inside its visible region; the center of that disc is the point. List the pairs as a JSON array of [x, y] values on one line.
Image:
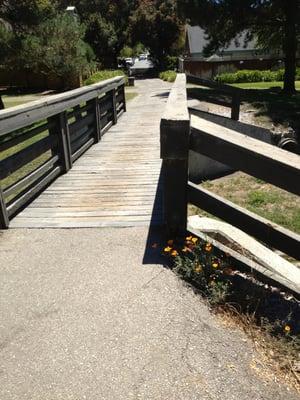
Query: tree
[[6, 47], [24, 14], [107, 26], [6, 41], [156, 24], [273, 23], [138, 49], [57, 48], [103, 38], [126, 52]]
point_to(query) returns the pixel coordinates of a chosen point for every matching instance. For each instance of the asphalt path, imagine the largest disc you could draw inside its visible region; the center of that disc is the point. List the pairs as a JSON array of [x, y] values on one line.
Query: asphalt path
[[94, 314]]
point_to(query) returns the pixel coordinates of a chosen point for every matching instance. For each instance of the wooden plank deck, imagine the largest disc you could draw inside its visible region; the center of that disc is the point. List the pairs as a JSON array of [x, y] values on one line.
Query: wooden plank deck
[[116, 182]]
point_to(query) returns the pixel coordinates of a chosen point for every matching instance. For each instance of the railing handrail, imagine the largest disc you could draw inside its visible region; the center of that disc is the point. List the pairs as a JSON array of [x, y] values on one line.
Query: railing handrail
[[174, 138], [212, 84], [252, 156], [232, 91], [23, 115], [227, 146], [60, 128]]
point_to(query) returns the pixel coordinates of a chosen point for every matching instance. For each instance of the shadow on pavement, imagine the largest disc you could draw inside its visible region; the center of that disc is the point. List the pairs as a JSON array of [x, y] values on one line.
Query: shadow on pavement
[[156, 238]]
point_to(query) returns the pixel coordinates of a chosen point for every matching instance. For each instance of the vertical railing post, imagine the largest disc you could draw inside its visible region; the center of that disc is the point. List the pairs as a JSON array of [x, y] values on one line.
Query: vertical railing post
[[4, 221], [61, 129], [124, 97], [235, 106], [65, 141], [95, 103], [114, 102], [174, 136]]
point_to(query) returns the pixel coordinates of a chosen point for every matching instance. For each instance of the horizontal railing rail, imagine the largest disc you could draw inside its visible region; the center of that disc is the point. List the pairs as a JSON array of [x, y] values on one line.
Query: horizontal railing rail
[[234, 103], [261, 160], [254, 157], [262, 229], [42, 139]]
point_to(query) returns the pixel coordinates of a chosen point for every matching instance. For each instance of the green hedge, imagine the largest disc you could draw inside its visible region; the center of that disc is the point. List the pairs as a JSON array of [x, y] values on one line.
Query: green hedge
[[168, 76], [171, 63], [245, 76], [103, 75]]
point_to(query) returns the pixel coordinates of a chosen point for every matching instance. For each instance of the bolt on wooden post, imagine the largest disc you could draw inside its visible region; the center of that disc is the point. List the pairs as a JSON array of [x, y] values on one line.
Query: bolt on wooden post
[[174, 137]]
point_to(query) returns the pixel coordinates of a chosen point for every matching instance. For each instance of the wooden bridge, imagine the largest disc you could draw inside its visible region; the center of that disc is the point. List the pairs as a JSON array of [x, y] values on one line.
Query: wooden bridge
[[115, 182], [81, 316], [118, 181]]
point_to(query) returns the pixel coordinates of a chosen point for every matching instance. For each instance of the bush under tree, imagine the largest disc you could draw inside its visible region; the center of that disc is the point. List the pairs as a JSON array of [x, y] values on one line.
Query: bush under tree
[[57, 48]]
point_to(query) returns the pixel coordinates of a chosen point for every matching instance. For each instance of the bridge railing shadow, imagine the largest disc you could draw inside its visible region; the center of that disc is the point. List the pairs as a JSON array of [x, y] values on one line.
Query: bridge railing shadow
[[156, 237]]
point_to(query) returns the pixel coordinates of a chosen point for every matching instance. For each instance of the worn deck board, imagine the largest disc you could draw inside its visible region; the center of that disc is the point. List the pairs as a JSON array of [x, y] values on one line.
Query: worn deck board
[[116, 182]]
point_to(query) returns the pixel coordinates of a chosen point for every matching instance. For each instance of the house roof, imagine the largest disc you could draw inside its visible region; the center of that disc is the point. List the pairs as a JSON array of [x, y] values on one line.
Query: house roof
[[197, 41]]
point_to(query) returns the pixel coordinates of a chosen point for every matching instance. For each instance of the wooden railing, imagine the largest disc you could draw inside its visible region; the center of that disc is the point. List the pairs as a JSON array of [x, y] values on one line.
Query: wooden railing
[[179, 134], [42, 139], [232, 95]]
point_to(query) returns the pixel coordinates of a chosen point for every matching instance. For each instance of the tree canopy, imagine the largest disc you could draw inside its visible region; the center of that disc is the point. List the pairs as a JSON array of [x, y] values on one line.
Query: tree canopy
[[157, 25], [110, 28], [57, 48], [273, 23]]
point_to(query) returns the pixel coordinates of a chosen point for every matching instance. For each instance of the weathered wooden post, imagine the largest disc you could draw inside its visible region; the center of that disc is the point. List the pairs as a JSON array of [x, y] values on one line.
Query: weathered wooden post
[[235, 105], [61, 129], [114, 102], [174, 137], [124, 96], [95, 105], [4, 221]]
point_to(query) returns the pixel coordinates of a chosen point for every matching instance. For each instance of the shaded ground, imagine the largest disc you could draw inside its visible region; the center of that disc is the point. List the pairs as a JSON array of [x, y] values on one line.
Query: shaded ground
[[83, 317], [269, 108]]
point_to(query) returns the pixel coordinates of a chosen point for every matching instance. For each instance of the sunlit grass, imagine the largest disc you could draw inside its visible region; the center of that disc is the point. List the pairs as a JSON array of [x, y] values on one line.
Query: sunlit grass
[[262, 85]]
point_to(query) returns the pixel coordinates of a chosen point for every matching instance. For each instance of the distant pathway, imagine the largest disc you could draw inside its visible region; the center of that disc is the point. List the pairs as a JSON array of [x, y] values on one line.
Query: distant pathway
[[115, 182]]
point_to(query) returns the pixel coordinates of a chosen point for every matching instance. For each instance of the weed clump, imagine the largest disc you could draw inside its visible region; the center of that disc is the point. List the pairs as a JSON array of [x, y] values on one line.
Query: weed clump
[[265, 312], [168, 76]]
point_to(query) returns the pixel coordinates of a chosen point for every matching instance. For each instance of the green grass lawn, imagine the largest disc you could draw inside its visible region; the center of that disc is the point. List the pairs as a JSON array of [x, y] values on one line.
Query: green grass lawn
[[11, 100], [257, 196], [262, 85], [15, 100]]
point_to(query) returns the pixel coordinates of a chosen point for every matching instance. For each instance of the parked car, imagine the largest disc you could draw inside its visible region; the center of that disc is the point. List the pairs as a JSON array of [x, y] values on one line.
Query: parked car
[[129, 61]]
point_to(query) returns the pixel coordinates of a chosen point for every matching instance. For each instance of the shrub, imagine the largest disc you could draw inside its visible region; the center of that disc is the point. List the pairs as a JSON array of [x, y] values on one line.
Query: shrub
[[168, 76], [171, 63], [126, 52], [103, 75], [245, 76], [197, 263], [57, 47]]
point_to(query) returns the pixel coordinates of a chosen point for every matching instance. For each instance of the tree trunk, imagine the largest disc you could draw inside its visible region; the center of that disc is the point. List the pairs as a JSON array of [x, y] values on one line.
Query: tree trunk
[[1, 104], [290, 44]]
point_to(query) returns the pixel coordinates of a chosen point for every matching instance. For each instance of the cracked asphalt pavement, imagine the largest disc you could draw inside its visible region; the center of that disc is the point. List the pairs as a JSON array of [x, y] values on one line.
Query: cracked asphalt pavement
[[88, 314]]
